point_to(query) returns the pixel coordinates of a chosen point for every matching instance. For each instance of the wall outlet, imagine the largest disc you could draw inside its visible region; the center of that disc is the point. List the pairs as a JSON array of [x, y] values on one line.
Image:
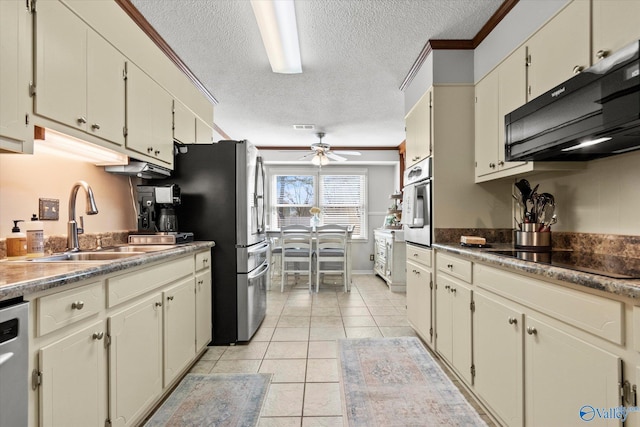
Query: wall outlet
[[371, 258], [49, 209]]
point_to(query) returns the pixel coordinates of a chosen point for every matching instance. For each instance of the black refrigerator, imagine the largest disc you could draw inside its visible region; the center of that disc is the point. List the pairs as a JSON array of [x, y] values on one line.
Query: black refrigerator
[[222, 189]]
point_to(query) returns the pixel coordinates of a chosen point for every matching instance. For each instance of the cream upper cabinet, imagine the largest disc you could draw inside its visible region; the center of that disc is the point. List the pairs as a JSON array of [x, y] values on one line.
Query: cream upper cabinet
[[79, 75], [179, 328], [204, 325], [615, 24], [486, 125], [418, 130], [16, 130], [204, 132], [149, 117], [74, 373], [184, 123], [560, 49], [512, 81]]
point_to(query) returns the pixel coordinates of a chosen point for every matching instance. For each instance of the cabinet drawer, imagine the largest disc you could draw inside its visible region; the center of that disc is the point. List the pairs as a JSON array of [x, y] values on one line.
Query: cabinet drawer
[[599, 316], [63, 308], [419, 255], [203, 260], [453, 266], [127, 286]]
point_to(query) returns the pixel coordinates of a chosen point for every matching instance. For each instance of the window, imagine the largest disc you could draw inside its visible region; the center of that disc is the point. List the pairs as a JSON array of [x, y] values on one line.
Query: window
[[340, 195]]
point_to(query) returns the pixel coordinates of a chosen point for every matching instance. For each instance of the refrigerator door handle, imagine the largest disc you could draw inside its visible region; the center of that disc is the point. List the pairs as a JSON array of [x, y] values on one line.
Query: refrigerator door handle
[[260, 271]]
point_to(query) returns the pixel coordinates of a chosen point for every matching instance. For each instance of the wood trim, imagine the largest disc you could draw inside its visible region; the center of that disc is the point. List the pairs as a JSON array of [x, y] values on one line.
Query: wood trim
[[434, 44], [145, 26], [308, 148], [220, 132], [402, 150]]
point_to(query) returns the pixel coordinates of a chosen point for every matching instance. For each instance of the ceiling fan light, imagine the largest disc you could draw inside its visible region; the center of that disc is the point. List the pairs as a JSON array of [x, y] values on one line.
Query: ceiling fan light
[[279, 31], [320, 159]]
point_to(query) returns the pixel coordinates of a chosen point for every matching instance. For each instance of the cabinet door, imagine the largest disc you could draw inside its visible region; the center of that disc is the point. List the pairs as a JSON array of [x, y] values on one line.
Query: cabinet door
[[105, 90], [203, 309], [204, 133], [135, 360], [418, 130], [486, 124], [179, 328], [14, 74], [461, 330], [74, 372], [444, 318], [184, 123], [419, 288], [512, 93], [149, 116], [615, 24], [562, 368], [61, 65], [497, 356], [559, 47]]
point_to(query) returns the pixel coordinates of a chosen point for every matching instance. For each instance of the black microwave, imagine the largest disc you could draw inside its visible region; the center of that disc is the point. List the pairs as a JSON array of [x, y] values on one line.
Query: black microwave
[[594, 114]]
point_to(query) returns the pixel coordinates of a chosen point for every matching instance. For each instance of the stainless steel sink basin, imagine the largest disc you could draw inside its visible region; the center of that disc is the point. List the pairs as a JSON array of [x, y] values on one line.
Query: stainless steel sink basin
[[86, 256], [140, 248]]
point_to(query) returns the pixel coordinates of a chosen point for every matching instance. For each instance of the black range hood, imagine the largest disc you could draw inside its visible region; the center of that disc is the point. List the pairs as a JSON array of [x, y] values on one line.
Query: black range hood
[[594, 114]]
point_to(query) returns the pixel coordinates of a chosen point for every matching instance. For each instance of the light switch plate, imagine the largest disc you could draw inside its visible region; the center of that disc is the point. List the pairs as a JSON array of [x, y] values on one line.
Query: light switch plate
[[49, 209]]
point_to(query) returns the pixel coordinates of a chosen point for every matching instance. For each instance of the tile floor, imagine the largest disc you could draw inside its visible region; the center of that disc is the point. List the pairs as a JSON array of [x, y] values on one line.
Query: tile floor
[[297, 344]]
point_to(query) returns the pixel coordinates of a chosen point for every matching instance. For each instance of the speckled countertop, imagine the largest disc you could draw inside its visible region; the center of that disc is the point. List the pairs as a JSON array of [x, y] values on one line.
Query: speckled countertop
[[629, 288], [20, 278]]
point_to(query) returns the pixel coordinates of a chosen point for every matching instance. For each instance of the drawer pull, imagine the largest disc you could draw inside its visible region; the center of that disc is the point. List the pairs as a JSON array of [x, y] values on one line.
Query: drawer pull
[[97, 335], [416, 255], [82, 120], [454, 290], [149, 149], [531, 330], [158, 304], [200, 282], [77, 305], [450, 266], [416, 272], [170, 298], [156, 152], [95, 126], [513, 321], [602, 54]]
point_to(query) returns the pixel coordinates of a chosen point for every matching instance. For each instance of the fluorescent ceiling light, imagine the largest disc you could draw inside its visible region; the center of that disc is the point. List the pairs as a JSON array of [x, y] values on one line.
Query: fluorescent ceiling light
[[66, 146], [279, 31], [587, 144]]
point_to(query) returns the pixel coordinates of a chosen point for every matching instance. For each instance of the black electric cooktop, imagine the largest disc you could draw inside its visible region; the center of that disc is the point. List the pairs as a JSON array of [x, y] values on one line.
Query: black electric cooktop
[[602, 264]]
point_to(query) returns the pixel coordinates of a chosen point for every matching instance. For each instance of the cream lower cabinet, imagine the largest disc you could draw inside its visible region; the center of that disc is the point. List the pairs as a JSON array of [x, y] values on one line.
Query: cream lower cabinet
[[204, 325], [178, 310], [420, 292], [389, 258], [74, 379]]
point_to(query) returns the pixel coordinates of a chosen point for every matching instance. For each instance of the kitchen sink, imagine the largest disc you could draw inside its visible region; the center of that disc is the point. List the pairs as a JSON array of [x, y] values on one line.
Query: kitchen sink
[[86, 256], [139, 248]]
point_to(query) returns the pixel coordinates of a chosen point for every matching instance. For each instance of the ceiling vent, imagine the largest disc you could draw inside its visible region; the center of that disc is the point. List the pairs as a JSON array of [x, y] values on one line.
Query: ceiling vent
[[304, 127]]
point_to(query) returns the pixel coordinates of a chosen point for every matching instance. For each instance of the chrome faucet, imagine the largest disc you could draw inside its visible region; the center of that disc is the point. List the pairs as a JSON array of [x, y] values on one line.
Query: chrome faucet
[[72, 227]]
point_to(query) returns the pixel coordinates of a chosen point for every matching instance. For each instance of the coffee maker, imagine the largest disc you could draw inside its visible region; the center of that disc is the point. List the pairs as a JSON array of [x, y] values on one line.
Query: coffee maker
[[157, 208]]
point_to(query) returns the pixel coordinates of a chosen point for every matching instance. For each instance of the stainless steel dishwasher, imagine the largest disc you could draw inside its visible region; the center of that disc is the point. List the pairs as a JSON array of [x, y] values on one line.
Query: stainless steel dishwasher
[[14, 359]]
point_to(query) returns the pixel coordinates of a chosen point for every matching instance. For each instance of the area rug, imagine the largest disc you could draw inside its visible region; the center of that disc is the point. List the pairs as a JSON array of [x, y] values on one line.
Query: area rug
[[395, 382], [228, 400]]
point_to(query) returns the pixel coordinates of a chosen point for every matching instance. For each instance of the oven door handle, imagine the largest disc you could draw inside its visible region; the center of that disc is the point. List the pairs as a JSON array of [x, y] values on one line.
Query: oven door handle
[[258, 249], [260, 271]]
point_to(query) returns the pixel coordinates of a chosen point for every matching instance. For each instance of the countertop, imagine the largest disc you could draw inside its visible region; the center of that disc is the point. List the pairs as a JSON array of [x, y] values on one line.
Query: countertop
[[20, 278], [629, 288]]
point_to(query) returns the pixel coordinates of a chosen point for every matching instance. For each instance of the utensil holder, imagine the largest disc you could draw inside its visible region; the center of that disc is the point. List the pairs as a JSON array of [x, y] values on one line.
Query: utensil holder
[[532, 240]]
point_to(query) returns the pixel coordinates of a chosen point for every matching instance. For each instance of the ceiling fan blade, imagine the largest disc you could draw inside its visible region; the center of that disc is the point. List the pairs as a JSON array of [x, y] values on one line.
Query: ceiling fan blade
[[306, 156], [334, 156], [348, 153]]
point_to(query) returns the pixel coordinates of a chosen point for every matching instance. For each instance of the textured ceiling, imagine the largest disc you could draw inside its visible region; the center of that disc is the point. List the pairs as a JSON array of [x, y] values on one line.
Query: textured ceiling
[[355, 54]]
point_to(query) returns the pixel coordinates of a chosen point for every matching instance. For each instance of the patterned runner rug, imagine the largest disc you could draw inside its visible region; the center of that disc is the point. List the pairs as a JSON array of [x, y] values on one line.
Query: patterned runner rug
[[395, 382], [228, 400]]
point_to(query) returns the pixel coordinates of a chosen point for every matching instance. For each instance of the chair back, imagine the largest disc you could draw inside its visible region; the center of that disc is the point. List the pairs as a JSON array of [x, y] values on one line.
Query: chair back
[[331, 236], [296, 237]]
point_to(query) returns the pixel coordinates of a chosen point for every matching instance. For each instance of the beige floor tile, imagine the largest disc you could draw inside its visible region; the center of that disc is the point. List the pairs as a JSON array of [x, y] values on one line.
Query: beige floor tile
[[263, 334], [397, 331], [284, 370], [241, 366], [283, 400], [322, 422], [350, 321], [393, 320], [298, 302], [352, 303], [322, 399], [383, 311], [296, 311], [213, 353], [326, 321], [294, 322], [291, 334], [328, 333], [270, 321], [325, 310], [325, 301], [253, 350], [355, 311], [279, 422], [202, 366], [323, 349], [363, 332], [322, 371], [287, 350]]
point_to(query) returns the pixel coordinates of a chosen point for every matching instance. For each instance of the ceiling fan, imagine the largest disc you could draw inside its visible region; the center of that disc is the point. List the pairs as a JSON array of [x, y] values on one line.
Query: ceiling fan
[[321, 152]]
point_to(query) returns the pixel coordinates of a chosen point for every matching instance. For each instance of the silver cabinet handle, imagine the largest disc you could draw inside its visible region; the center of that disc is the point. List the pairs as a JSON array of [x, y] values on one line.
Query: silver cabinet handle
[[416, 272], [415, 158], [149, 149], [602, 54], [454, 290], [82, 120], [450, 266], [531, 330], [156, 152], [97, 335], [513, 321], [447, 287], [500, 163], [77, 305], [170, 298], [416, 255], [95, 126], [158, 304], [200, 282], [577, 69], [492, 165]]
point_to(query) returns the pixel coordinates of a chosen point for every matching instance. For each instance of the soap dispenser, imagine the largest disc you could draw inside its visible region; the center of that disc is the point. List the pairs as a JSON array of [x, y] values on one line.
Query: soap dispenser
[[16, 242], [35, 237]]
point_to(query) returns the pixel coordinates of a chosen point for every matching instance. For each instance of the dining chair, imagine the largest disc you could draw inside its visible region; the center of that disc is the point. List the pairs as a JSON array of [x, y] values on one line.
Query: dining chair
[[297, 252], [331, 249], [275, 256]]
